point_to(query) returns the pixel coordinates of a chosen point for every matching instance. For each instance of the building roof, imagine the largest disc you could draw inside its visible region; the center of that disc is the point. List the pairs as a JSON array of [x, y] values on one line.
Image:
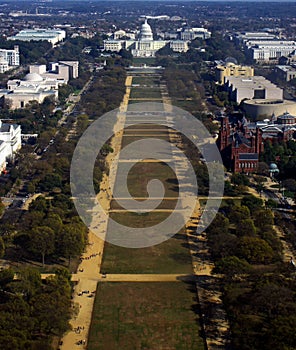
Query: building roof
[[273, 166], [34, 77], [248, 156]]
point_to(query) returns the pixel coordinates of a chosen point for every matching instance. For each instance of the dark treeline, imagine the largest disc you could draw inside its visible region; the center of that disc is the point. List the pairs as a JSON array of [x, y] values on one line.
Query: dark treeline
[[33, 311], [258, 288]]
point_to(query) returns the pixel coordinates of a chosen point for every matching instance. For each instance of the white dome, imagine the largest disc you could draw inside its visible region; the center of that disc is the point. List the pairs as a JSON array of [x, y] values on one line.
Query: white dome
[[146, 31], [34, 77]]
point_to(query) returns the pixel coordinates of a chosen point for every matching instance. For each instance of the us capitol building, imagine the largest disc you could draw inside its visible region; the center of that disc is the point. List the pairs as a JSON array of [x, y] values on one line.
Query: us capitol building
[[144, 46]]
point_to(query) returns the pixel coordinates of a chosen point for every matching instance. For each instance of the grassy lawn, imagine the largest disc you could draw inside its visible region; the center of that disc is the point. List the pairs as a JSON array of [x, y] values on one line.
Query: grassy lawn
[[155, 107], [188, 105], [138, 61], [126, 140], [142, 173], [171, 256], [141, 219], [145, 92], [145, 80], [147, 127], [145, 316], [165, 204]]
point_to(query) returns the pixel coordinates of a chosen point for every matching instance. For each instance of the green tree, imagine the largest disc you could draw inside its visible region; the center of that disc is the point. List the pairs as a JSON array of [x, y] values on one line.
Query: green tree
[[263, 218], [239, 213], [231, 265], [42, 240], [2, 247], [254, 250], [6, 276], [252, 202], [71, 241], [246, 227], [2, 207]]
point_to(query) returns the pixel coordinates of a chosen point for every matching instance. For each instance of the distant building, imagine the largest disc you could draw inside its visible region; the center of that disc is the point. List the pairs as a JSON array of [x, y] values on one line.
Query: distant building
[[10, 142], [61, 71], [281, 128], [32, 88], [243, 37], [9, 58], [241, 142], [179, 45], [260, 109], [289, 59], [256, 87], [230, 69], [51, 35], [286, 73], [240, 148], [144, 45], [269, 51], [39, 83], [189, 34]]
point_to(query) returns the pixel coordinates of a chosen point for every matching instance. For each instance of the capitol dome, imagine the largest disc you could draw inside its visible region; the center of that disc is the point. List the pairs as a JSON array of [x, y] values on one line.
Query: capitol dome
[[33, 77], [146, 31]]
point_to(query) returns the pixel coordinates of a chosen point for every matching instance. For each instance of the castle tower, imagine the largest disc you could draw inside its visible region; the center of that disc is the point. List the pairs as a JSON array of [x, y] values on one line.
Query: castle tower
[[224, 133]]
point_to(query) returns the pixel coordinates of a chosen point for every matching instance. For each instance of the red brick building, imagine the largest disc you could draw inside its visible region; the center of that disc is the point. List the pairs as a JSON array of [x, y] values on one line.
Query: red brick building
[[240, 147]]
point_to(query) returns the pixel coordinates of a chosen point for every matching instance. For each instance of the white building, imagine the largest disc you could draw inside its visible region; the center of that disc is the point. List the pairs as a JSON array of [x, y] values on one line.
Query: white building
[[189, 34], [10, 142], [39, 83], [60, 71], [145, 45], [241, 38], [179, 45], [272, 50], [4, 66], [9, 58], [256, 87], [32, 88], [286, 73], [51, 35]]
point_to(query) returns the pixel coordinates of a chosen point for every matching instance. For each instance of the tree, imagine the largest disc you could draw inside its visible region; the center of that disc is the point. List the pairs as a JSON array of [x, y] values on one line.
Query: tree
[[231, 265], [2, 247], [252, 202], [240, 179], [71, 241], [2, 207], [219, 225], [6, 276], [50, 181], [263, 218], [254, 250], [42, 241], [246, 227], [239, 213]]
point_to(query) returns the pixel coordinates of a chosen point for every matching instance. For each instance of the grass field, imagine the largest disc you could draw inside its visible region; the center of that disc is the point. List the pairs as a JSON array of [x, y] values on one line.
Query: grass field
[[145, 92], [154, 107], [148, 128], [171, 256], [145, 316], [145, 81], [137, 183], [165, 204], [126, 140], [137, 61]]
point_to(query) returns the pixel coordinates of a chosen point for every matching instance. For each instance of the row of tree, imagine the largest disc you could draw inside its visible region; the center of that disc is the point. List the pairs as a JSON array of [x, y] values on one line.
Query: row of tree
[[258, 288], [32, 311]]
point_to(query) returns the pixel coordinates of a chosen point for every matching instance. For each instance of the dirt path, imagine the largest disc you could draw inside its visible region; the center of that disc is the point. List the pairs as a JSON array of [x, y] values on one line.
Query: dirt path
[[147, 278], [89, 268]]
